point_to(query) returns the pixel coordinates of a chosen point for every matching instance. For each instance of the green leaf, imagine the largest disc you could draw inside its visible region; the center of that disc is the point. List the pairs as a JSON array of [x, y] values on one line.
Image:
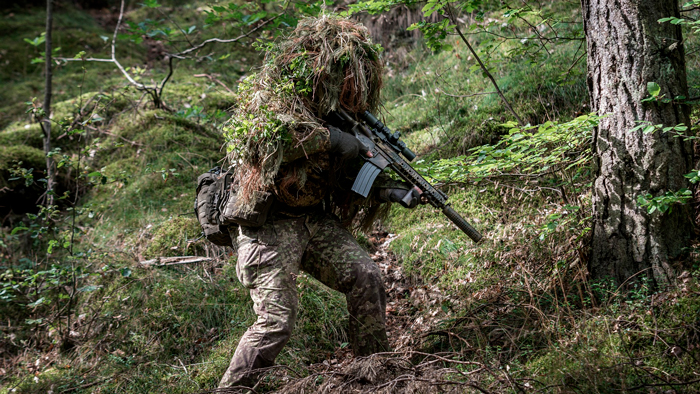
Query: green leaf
[[18, 229], [126, 272], [89, 288], [37, 303], [649, 129], [150, 3], [654, 89], [52, 244], [414, 26]]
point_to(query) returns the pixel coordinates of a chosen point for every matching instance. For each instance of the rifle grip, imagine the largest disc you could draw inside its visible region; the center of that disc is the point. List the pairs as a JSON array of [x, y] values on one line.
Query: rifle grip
[[461, 223]]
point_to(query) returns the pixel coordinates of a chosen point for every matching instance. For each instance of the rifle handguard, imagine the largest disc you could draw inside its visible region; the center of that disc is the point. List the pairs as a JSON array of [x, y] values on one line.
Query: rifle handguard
[[461, 223]]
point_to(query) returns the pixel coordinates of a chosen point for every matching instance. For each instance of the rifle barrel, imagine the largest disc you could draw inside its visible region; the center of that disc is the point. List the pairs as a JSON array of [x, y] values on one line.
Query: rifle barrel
[[461, 223]]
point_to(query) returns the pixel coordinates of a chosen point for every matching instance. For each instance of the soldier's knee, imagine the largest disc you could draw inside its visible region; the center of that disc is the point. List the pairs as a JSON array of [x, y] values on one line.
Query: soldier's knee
[[281, 329], [285, 330], [373, 276]]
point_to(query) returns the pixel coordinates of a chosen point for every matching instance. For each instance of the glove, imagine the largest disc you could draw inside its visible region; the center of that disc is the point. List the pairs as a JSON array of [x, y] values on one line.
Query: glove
[[346, 145], [407, 198]]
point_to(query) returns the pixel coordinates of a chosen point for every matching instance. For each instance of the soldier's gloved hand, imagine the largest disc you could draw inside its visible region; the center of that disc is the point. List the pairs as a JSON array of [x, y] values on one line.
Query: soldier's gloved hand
[[407, 198], [346, 145]]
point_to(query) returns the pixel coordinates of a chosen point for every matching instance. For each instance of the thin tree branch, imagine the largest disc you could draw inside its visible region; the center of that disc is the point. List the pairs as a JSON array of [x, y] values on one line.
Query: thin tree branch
[[465, 95], [181, 55], [114, 50], [152, 91], [46, 121], [162, 261], [483, 67]]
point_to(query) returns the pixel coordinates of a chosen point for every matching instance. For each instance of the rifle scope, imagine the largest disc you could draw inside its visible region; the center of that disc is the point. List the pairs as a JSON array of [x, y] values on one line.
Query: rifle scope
[[392, 137]]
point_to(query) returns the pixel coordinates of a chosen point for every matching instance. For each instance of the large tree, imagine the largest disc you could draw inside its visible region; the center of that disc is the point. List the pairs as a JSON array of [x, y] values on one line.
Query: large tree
[[627, 49]]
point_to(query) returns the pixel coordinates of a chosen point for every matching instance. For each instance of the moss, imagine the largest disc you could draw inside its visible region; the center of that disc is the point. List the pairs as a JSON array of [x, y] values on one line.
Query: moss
[[28, 134], [173, 238]]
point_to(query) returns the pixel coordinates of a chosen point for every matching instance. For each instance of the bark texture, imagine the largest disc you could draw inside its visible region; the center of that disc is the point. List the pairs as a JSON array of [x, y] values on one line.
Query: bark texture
[[627, 48]]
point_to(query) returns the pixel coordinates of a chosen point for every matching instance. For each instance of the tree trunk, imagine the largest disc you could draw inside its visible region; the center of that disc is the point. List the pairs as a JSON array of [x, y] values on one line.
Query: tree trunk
[[46, 122], [627, 48]]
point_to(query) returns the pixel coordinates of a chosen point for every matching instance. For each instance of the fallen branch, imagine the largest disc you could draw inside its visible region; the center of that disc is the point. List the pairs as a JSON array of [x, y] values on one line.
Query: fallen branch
[[177, 260]]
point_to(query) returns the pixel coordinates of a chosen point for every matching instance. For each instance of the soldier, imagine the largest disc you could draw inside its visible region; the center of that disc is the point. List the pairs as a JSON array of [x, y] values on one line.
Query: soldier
[[303, 230]]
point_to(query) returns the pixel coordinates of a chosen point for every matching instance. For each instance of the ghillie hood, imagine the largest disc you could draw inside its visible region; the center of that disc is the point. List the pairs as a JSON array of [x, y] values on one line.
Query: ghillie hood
[[337, 56], [326, 63]]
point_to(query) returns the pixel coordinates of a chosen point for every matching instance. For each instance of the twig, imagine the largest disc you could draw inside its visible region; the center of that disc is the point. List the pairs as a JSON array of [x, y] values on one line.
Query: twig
[[183, 366], [133, 143], [214, 79], [86, 385], [152, 91], [186, 161], [163, 261], [466, 95]]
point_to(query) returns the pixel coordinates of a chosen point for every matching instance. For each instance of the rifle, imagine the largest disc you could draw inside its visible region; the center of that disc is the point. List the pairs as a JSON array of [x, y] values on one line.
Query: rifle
[[385, 147]]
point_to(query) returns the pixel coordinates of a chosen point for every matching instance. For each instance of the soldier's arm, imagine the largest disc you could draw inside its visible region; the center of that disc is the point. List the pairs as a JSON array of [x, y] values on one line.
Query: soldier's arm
[[319, 141], [384, 181], [333, 140]]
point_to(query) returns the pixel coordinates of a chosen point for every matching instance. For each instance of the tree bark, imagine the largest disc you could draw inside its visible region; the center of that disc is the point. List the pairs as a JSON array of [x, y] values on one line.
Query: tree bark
[[627, 48], [46, 122]]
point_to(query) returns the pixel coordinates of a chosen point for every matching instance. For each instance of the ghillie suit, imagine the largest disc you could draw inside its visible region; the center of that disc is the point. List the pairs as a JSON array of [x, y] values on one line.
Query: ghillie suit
[[327, 63]]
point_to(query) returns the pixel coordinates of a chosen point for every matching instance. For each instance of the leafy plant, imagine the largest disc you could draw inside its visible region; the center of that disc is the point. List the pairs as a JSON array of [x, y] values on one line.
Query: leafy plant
[[530, 151], [664, 203]]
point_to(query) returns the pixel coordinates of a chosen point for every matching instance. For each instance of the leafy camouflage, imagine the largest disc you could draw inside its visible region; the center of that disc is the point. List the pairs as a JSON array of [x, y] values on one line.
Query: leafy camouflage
[[327, 63]]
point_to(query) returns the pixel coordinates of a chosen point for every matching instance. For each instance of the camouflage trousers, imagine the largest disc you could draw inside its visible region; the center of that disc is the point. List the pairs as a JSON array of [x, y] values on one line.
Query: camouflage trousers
[[270, 257]]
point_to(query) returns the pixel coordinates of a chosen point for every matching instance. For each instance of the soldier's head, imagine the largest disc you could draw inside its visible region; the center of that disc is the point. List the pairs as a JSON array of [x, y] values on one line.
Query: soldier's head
[[332, 62]]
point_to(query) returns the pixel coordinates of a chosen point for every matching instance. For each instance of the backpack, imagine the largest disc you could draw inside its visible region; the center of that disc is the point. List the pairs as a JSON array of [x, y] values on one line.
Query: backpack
[[211, 189], [216, 209]]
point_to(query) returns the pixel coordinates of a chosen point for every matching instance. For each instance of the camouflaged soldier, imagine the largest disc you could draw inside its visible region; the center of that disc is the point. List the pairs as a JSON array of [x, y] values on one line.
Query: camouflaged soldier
[[303, 231]]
